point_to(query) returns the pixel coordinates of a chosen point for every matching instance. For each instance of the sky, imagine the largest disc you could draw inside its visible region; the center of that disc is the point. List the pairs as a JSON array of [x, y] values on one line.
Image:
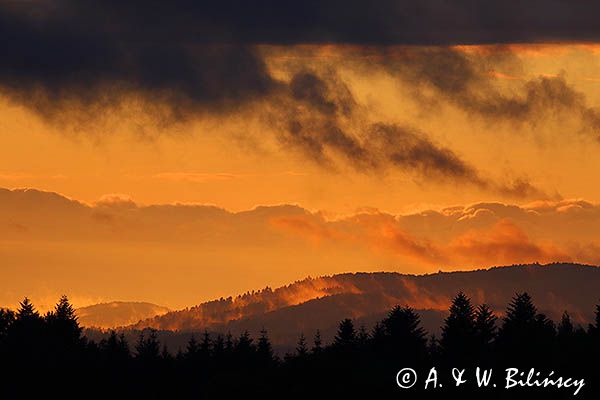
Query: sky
[[177, 153]]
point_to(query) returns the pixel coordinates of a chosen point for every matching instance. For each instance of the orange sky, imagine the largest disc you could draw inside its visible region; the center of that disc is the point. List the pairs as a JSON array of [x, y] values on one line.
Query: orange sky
[[237, 161]]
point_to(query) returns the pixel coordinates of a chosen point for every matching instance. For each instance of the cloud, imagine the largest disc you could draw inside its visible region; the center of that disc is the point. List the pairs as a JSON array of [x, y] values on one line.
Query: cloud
[[337, 21], [88, 56], [117, 250], [327, 124], [467, 80], [481, 234], [478, 235], [503, 242], [185, 57], [322, 120], [115, 200], [500, 243], [81, 62]]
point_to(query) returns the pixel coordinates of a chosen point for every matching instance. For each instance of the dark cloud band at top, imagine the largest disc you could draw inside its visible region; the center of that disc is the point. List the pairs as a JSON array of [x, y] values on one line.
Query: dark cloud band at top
[[438, 22], [196, 56]]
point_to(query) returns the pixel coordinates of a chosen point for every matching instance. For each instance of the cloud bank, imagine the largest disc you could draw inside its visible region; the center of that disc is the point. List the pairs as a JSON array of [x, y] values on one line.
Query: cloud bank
[[178, 254], [477, 235]]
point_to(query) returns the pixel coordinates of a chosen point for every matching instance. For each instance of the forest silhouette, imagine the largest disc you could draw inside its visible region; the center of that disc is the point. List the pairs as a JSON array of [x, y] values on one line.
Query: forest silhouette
[[47, 356]]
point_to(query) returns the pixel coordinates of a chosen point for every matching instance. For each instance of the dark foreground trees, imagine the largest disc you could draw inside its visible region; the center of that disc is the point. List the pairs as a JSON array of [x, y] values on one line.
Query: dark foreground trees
[[46, 356]]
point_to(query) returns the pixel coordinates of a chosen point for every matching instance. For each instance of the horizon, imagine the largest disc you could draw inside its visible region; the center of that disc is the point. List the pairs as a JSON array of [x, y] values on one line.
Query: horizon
[[98, 310]]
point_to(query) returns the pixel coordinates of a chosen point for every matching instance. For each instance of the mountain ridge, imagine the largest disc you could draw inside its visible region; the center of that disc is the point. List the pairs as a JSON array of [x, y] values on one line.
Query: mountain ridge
[[313, 303]]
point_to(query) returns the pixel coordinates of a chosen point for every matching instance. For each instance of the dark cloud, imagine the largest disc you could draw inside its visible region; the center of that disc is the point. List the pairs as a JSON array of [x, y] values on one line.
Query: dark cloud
[[64, 54], [322, 120], [90, 54], [410, 149], [184, 58], [191, 56], [468, 81], [333, 21]]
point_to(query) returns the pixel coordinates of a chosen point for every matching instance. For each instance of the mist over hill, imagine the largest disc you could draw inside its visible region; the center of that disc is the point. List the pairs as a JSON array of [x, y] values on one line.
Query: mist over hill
[[117, 313], [319, 303]]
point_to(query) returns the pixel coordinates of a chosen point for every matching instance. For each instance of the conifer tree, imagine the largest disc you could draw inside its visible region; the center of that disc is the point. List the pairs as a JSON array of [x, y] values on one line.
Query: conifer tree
[[165, 355], [317, 343], [63, 325], [301, 348], [26, 337], [485, 333], [404, 336], [565, 337], [346, 334], [244, 349], [525, 334], [565, 328], [205, 345], [520, 313], [229, 343], [218, 348], [148, 348], [264, 350], [378, 337], [459, 340], [363, 336], [433, 348], [485, 325], [115, 348], [26, 311], [192, 349]]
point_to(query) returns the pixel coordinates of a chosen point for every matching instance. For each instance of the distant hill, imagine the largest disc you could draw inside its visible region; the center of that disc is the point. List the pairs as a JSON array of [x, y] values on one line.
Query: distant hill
[[117, 313], [319, 303]]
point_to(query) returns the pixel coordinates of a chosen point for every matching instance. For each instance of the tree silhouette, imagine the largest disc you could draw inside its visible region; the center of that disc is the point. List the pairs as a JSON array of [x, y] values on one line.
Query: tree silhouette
[[26, 333], [115, 348], [346, 334], [148, 348], [485, 325], [264, 350], [205, 346], [378, 337], [404, 336], [244, 349], [565, 328], [218, 348], [459, 335], [485, 332], [525, 335], [566, 339], [192, 350], [301, 348], [229, 343], [27, 312], [351, 366], [317, 343], [63, 326], [433, 348], [165, 355], [362, 338]]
